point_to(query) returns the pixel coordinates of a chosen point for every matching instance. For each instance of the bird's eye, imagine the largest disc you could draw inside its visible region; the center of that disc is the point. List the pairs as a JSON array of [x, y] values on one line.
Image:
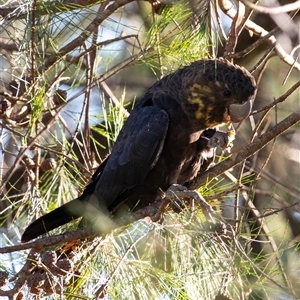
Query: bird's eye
[[227, 93]]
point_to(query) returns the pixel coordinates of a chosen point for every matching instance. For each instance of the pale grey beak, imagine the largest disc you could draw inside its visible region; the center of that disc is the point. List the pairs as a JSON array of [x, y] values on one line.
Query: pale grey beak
[[239, 112]]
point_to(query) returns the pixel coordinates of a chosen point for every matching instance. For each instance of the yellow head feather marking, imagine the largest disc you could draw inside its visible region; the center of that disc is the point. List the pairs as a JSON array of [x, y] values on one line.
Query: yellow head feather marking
[[197, 92]]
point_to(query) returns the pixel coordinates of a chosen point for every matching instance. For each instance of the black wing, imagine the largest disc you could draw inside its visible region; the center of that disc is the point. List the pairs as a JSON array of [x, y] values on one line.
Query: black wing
[[135, 153]]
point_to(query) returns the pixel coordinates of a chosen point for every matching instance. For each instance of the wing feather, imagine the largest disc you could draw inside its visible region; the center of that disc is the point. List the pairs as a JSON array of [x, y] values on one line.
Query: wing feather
[[135, 153]]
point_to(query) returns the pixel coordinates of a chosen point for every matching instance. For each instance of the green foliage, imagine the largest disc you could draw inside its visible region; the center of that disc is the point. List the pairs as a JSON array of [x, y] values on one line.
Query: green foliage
[[174, 39], [182, 257], [185, 258]]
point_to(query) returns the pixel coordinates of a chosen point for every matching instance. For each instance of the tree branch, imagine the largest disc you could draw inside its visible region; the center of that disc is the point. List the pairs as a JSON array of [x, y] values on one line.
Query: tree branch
[[228, 8], [273, 10], [252, 148], [42, 243]]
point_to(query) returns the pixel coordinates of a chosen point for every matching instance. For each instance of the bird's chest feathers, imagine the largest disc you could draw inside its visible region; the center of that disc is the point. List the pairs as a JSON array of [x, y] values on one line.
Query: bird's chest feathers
[[189, 157], [192, 152], [189, 167]]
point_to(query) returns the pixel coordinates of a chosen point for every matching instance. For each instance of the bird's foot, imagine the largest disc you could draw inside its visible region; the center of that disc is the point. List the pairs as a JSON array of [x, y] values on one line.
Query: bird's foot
[[171, 195], [168, 200], [176, 192], [221, 139], [174, 188]]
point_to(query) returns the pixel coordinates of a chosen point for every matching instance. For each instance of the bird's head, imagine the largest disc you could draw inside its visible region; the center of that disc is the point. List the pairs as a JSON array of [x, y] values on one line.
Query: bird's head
[[217, 92]]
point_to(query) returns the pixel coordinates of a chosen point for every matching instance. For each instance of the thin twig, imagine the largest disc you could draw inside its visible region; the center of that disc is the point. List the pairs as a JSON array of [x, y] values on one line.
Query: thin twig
[[228, 8], [273, 10], [280, 99], [266, 233]]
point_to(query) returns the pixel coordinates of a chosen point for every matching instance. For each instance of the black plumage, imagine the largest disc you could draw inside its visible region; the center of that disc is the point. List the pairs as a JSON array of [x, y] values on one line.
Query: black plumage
[[164, 141]]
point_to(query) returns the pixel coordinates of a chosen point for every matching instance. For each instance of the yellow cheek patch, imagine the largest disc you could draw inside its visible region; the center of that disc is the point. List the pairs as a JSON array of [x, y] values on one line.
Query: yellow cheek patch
[[199, 110], [201, 89], [197, 93], [208, 114], [195, 99]]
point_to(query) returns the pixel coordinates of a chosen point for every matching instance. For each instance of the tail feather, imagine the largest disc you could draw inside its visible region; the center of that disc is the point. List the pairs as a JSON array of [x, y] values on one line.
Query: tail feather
[[60, 216]]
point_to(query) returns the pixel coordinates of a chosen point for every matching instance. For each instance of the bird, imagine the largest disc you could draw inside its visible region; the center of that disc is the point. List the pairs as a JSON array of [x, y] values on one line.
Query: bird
[[164, 141]]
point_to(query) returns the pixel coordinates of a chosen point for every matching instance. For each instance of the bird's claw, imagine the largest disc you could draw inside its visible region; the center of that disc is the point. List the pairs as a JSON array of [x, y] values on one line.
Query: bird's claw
[[172, 195], [176, 188], [221, 139]]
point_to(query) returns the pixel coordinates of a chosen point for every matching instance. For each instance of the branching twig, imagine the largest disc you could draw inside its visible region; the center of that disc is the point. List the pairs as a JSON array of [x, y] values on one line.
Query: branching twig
[[273, 212], [273, 10], [85, 34], [228, 8], [269, 237], [279, 99]]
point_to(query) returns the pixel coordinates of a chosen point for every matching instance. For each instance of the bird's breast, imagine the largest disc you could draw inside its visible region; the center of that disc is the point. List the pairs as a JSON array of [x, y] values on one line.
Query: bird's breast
[[190, 165]]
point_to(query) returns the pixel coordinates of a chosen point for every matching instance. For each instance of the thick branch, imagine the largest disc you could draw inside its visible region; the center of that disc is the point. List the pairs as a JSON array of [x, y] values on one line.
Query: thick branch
[[252, 148], [79, 234]]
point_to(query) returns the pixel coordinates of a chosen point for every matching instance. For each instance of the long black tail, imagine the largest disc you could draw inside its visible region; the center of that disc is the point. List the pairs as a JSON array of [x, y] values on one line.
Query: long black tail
[[60, 216]]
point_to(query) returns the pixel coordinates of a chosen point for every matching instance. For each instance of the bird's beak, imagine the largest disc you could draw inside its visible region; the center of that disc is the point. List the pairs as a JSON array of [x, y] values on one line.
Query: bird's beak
[[239, 112]]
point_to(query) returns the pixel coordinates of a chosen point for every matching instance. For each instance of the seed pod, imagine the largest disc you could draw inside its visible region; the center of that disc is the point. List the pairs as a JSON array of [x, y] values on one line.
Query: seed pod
[[47, 118], [48, 164], [49, 258], [34, 256], [64, 266], [59, 97], [4, 105], [35, 280], [3, 278], [51, 285]]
